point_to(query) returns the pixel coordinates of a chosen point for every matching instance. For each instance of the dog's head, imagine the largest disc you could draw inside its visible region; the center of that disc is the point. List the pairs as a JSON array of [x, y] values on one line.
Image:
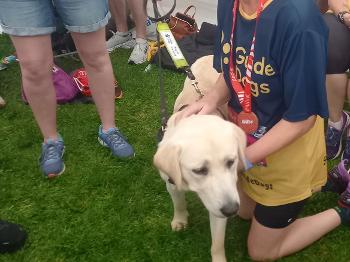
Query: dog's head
[[202, 153]]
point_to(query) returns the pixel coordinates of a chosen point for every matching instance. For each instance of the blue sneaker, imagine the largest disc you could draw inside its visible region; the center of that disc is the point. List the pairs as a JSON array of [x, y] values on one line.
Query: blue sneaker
[[334, 138], [115, 141], [51, 161]]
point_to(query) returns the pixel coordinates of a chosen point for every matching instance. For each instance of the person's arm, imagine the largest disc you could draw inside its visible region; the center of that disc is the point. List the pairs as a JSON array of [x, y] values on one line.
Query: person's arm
[[338, 6], [281, 135]]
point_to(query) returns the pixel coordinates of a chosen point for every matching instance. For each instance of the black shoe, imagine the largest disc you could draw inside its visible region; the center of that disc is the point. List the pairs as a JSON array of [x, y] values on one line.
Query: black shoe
[[12, 237]]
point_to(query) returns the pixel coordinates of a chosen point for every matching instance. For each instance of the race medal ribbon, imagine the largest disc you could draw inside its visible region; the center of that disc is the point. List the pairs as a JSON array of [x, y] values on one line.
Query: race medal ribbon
[[246, 119]]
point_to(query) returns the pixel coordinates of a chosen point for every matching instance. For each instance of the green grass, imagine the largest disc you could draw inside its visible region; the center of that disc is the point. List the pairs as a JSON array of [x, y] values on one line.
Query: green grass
[[102, 208]]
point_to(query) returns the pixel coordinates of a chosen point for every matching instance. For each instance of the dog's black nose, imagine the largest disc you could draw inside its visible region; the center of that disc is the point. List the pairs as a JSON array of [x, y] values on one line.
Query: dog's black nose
[[229, 209]]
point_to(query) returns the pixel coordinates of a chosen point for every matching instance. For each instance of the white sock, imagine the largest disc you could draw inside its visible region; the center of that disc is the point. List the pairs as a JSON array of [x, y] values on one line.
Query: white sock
[[141, 40], [123, 34], [337, 125]]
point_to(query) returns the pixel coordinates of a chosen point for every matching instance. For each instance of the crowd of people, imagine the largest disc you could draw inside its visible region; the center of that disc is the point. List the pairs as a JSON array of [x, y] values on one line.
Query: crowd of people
[[293, 57]]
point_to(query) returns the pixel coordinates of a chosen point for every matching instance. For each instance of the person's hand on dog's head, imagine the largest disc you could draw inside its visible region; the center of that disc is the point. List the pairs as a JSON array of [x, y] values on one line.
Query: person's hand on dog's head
[[204, 106]]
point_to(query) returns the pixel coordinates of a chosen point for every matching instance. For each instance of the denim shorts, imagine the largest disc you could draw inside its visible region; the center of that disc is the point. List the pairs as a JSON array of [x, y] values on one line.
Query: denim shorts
[[40, 17]]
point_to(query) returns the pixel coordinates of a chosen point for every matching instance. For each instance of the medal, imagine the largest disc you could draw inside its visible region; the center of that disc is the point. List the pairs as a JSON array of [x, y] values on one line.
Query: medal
[[246, 119]]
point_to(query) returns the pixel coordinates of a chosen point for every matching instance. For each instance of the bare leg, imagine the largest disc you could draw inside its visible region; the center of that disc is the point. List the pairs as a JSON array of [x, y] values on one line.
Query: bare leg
[[246, 206], [270, 244], [35, 59], [180, 218], [118, 10], [139, 15], [336, 92], [217, 228], [99, 68]]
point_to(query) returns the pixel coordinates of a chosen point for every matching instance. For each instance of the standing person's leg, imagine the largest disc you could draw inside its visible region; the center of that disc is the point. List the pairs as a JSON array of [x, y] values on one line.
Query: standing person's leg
[[139, 16], [100, 72], [30, 32], [88, 34], [139, 53], [338, 59], [336, 93], [121, 38], [119, 13], [35, 59]]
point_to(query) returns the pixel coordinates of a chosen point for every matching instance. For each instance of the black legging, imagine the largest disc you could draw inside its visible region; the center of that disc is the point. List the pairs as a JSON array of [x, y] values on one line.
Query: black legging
[[338, 45]]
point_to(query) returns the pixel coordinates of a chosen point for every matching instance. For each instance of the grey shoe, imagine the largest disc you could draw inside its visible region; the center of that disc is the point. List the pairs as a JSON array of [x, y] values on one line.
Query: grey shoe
[[51, 159], [115, 141], [334, 137], [139, 54], [120, 40]]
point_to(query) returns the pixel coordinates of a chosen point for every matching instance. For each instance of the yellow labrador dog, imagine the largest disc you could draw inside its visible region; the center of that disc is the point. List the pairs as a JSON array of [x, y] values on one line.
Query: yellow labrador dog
[[202, 153]]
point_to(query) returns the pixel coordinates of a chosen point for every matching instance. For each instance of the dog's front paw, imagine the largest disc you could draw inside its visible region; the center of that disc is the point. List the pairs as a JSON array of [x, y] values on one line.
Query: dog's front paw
[[180, 221], [178, 225]]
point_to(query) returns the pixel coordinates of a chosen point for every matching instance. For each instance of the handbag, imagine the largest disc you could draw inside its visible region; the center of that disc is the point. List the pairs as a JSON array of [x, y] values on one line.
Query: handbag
[[65, 87], [182, 24]]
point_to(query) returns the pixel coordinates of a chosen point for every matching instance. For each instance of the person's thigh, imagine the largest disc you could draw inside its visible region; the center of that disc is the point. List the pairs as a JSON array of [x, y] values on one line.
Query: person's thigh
[[338, 45], [83, 16], [27, 18]]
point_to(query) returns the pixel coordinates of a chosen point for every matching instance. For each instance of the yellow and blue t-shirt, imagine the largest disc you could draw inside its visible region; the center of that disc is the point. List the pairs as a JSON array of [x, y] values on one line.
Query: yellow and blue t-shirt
[[288, 82]]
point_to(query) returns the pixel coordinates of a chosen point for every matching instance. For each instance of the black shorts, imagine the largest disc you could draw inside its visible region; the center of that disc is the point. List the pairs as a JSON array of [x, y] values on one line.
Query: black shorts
[[338, 45], [278, 216]]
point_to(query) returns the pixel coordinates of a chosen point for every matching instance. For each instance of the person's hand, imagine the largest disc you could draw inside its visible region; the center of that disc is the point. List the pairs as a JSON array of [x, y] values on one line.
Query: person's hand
[[347, 20], [204, 106]]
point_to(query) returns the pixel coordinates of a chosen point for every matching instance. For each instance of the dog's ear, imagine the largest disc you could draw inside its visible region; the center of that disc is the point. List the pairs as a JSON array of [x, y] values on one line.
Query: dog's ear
[[241, 139], [167, 160]]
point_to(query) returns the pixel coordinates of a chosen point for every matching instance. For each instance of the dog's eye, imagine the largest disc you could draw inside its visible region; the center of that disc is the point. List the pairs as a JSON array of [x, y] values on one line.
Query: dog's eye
[[230, 162], [203, 171]]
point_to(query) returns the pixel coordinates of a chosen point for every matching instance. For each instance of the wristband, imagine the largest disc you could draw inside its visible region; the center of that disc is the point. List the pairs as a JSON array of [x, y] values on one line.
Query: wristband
[[248, 164]]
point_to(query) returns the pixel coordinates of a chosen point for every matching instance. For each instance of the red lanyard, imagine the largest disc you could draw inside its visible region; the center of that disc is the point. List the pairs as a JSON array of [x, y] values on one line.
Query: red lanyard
[[244, 94]]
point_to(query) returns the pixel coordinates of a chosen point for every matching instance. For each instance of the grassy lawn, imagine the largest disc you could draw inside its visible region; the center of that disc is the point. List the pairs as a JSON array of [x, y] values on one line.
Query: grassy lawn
[[105, 209]]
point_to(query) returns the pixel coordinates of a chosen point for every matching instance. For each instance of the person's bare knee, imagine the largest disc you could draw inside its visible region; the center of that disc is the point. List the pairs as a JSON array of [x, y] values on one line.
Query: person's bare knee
[[96, 60], [36, 75], [36, 71], [257, 253], [264, 243], [95, 57], [35, 57]]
